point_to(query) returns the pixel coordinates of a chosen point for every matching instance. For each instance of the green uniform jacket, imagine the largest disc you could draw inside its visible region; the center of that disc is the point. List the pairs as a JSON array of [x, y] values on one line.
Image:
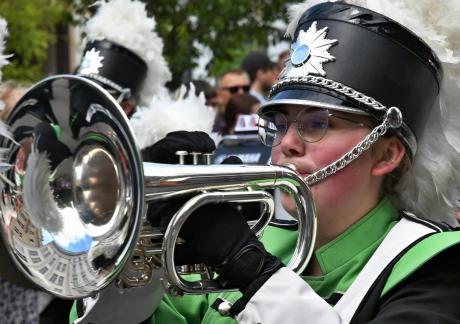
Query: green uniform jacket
[[341, 260]]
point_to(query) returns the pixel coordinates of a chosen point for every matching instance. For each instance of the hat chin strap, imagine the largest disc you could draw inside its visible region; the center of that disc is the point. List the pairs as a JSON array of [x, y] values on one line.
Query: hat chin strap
[[393, 119]]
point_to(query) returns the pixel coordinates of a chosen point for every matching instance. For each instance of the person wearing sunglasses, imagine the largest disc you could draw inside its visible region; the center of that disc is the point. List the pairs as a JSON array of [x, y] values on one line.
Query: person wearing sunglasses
[[231, 82], [366, 112]]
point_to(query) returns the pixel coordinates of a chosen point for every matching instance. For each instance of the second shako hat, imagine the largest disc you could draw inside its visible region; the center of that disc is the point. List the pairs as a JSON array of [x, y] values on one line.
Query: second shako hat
[[351, 58], [113, 66]]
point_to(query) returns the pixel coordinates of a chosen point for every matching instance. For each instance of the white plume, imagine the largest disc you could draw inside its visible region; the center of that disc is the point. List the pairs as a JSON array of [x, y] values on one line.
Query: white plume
[[126, 22], [38, 196], [3, 35], [5, 132], [165, 115], [426, 188], [296, 11]]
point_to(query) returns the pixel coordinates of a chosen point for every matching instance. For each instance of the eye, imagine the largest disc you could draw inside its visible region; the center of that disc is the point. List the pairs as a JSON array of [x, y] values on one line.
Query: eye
[[314, 119]]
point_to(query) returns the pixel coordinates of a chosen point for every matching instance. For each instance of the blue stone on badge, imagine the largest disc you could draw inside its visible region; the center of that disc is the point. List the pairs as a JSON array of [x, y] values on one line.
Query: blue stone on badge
[[300, 55]]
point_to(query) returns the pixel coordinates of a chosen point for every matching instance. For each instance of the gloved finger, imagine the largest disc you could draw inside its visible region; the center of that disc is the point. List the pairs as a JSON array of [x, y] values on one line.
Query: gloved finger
[[232, 160], [164, 151], [192, 141], [159, 214], [186, 254]]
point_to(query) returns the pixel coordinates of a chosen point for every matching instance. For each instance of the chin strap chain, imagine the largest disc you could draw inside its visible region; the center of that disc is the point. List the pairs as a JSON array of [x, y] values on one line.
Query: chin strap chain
[[393, 119]]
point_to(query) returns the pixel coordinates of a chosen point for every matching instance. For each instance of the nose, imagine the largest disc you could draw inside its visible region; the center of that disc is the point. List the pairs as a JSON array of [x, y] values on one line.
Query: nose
[[292, 144], [241, 90]]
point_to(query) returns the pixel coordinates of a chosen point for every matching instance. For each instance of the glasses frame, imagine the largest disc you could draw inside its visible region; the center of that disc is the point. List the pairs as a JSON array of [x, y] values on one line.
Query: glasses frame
[[299, 127], [235, 89]]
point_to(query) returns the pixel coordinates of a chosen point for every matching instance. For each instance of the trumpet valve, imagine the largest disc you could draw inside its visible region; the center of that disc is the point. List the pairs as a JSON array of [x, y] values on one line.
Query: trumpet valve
[[181, 155]]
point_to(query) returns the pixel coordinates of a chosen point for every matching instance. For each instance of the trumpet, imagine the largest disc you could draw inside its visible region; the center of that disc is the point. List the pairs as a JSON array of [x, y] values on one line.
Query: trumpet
[[73, 207]]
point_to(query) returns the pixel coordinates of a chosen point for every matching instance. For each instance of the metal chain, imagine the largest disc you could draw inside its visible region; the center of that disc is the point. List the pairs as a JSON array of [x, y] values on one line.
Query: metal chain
[[393, 119], [125, 93], [329, 84]]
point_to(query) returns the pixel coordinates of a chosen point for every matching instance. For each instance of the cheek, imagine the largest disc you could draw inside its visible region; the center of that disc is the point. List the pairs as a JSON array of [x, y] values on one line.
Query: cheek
[[346, 183]]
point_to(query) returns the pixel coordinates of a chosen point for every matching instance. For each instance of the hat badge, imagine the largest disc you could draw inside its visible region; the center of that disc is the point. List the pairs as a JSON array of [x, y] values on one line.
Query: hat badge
[[309, 52], [91, 62]]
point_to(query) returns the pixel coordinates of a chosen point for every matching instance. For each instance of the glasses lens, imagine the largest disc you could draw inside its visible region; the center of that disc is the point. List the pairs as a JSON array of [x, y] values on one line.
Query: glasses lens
[[246, 88], [272, 127], [312, 124]]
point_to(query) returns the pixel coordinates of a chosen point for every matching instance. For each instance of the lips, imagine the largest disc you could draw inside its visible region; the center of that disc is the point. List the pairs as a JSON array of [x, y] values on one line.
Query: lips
[[302, 171]]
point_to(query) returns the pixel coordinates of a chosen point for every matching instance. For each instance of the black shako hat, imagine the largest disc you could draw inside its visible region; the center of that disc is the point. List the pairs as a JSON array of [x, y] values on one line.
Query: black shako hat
[[113, 66], [350, 58]]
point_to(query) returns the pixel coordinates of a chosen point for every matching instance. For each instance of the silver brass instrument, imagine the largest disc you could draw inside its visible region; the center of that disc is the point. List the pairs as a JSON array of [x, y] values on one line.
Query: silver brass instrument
[[76, 227]]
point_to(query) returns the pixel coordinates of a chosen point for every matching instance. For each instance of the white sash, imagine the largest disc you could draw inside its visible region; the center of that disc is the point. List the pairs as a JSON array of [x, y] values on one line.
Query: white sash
[[401, 236]]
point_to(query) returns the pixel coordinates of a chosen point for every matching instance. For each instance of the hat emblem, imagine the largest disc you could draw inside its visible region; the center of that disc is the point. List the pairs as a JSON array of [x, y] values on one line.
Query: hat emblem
[[309, 52], [91, 62]]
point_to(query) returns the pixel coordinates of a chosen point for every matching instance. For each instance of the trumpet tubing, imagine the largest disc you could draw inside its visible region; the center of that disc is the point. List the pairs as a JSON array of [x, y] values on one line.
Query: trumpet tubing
[[73, 208]]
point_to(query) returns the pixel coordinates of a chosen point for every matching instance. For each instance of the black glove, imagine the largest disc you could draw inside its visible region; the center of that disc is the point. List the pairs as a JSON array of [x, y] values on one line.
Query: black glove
[[47, 141], [216, 235], [164, 150], [219, 236]]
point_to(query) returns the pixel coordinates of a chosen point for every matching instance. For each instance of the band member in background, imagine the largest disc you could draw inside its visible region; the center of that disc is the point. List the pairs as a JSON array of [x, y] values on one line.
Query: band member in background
[[131, 68]]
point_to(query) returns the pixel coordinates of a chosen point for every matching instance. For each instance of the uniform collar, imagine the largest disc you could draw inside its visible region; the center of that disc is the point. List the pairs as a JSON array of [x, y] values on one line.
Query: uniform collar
[[358, 238]]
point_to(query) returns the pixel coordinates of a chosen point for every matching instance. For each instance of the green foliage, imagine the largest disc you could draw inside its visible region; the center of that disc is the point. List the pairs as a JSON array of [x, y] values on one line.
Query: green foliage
[[229, 28], [31, 25]]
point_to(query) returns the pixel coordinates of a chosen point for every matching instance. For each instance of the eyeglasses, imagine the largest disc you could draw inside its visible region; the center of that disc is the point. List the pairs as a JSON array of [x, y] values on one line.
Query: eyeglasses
[[236, 89], [311, 124]]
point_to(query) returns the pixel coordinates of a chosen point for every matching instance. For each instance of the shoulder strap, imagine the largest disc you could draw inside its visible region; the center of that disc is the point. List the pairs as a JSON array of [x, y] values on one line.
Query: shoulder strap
[[402, 235], [418, 255]]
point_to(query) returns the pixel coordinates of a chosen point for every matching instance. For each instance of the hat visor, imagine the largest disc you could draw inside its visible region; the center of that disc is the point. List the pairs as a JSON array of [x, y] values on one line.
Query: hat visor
[[311, 98], [304, 97]]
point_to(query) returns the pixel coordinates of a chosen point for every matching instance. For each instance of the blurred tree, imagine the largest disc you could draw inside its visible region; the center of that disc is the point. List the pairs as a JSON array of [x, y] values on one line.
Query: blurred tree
[[230, 29], [31, 25]]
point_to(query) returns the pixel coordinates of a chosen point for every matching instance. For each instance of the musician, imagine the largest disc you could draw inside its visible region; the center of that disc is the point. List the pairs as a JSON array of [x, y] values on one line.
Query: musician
[[132, 69], [357, 112]]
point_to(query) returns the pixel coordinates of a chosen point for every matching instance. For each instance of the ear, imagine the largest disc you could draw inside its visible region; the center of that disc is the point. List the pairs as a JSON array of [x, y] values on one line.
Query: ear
[[389, 155]]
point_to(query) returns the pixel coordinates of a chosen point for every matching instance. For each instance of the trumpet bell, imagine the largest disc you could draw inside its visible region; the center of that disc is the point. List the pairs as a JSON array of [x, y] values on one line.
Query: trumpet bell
[[73, 198]]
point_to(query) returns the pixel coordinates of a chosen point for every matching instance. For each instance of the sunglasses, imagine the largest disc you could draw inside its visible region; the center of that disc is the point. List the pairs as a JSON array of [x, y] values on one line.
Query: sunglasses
[[311, 125], [236, 89]]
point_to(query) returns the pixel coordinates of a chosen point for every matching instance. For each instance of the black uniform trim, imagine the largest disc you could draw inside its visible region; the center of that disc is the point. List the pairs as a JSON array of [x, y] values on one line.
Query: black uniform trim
[[438, 227], [429, 295]]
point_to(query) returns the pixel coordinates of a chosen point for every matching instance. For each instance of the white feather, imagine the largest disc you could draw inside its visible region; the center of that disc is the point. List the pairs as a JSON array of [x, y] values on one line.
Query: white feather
[[126, 22], [165, 115], [296, 11], [5, 132], [3, 35], [39, 201]]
